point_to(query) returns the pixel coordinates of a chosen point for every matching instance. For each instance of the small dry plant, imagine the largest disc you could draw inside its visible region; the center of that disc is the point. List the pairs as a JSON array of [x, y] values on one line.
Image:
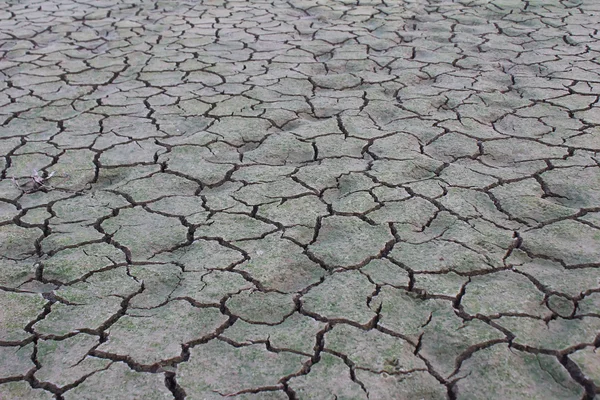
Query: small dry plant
[[35, 182]]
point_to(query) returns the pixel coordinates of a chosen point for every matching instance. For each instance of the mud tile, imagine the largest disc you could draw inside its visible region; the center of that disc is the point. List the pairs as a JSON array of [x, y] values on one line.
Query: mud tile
[[196, 162], [486, 295], [165, 330], [279, 264], [202, 255], [509, 373], [373, 350], [74, 263], [22, 390], [18, 310], [261, 307], [384, 272], [16, 361], [254, 367], [297, 333], [333, 300], [231, 227], [384, 386], [349, 241], [330, 375], [404, 312], [157, 186], [144, 234], [103, 385], [299, 211], [18, 243], [568, 241], [66, 361]]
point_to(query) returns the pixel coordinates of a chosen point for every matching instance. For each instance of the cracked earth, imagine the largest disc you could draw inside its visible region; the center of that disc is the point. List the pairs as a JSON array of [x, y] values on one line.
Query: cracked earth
[[311, 199]]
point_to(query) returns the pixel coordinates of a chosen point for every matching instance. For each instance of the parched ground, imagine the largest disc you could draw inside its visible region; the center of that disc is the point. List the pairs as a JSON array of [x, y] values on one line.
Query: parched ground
[[311, 199]]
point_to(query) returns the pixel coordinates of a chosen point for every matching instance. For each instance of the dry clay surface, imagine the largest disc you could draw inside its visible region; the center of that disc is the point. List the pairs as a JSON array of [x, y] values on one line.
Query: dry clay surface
[[311, 199]]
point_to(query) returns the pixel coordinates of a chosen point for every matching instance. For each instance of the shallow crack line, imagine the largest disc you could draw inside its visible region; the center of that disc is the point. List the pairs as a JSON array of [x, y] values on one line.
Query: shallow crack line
[[468, 353], [389, 332], [261, 389], [351, 367], [35, 383]]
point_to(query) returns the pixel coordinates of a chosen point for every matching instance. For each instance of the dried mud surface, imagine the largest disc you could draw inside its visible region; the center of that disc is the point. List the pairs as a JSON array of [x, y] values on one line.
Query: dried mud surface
[[299, 200]]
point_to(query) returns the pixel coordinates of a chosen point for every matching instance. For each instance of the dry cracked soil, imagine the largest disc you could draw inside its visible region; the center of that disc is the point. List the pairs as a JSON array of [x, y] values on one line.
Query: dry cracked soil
[[303, 199]]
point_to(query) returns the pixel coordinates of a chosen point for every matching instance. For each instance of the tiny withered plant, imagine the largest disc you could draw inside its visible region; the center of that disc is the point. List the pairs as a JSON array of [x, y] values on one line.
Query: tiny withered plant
[[35, 182]]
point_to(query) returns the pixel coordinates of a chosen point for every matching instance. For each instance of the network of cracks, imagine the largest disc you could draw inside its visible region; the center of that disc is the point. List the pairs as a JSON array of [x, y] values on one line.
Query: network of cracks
[[299, 199]]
